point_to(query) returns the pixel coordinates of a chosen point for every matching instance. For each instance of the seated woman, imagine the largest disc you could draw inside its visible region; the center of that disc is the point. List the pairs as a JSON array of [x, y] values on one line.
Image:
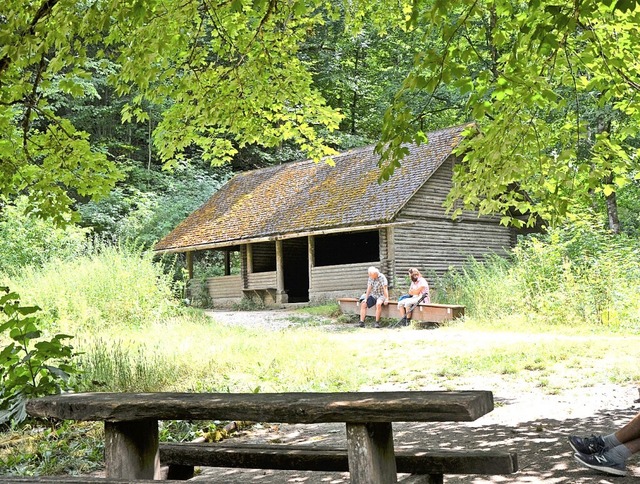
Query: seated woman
[[419, 287]]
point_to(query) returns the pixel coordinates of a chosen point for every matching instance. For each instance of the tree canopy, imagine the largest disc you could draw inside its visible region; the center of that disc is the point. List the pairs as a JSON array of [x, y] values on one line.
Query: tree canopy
[[550, 88], [226, 73]]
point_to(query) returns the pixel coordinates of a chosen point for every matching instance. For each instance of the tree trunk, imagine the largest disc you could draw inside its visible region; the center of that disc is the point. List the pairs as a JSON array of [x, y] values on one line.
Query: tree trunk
[[612, 208]]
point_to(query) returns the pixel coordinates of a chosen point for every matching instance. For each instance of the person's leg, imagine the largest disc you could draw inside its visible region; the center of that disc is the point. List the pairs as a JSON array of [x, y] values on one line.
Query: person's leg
[[403, 311], [363, 313], [378, 311], [633, 445], [410, 302], [599, 443], [630, 432], [610, 452]]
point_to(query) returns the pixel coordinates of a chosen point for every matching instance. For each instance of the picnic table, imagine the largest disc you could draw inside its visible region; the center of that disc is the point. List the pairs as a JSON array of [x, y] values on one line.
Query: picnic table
[[131, 420]]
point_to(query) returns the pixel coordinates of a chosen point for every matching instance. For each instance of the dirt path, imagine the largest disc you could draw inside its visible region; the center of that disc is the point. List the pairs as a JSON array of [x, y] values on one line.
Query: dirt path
[[526, 420]]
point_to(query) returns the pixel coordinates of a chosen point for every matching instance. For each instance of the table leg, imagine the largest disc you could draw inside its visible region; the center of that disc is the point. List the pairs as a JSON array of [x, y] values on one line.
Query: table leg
[[131, 449], [371, 456]]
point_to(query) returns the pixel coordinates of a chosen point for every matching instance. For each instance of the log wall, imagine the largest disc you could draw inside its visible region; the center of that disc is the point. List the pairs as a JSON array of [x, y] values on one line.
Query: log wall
[[347, 280], [433, 242], [261, 280], [225, 290]]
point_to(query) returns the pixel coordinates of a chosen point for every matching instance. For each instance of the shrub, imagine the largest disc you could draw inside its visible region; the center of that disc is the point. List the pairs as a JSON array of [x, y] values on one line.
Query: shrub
[[27, 366], [30, 241], [572, 275]]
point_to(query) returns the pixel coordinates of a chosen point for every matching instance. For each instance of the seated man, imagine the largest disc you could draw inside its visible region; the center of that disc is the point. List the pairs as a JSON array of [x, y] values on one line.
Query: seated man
[[377, 294], [419, 287]]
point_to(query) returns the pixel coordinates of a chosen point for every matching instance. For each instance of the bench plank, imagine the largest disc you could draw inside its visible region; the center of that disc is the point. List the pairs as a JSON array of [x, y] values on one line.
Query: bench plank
[[313, 458], [302, 407]]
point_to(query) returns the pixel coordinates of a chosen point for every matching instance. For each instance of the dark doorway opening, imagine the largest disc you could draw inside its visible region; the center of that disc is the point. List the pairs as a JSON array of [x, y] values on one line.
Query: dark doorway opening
[[296, 269]]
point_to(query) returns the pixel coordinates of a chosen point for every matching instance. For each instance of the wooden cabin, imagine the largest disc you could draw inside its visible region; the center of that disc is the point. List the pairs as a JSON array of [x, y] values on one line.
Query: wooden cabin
[[308, 231]]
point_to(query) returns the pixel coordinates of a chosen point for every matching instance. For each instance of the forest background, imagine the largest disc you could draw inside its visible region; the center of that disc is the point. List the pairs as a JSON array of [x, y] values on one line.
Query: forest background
[[120, 118]]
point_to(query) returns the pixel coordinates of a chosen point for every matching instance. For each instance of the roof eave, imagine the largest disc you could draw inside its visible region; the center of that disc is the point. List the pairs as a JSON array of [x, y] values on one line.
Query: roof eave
[[270, 238]]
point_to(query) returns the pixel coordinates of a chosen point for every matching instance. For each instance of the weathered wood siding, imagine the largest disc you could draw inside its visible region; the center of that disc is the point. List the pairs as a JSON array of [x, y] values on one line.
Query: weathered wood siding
[[434, 242], [225, 290], [261, 280], [345, 280]]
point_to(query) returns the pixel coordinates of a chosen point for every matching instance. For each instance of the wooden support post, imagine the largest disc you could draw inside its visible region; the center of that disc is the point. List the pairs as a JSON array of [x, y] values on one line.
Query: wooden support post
[[311, 247], [391, 257], [281, 295], [370, 451], [190, 265], [249, 259], [131, 449], [227, 263]]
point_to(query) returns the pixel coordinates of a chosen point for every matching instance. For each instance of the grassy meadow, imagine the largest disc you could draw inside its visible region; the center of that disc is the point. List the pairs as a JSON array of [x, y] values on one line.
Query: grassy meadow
[[558, 315]]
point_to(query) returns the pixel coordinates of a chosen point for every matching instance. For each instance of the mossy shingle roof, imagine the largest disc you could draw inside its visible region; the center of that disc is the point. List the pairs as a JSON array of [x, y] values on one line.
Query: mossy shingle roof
[[307, 197]]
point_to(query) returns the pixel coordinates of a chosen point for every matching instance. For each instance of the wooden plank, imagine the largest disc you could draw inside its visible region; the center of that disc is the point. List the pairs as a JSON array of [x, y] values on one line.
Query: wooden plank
[[255, 456], [314, 458], [352, 277], [80, 480], [370, 451], [302, 407], [131, 449], [225, 286]]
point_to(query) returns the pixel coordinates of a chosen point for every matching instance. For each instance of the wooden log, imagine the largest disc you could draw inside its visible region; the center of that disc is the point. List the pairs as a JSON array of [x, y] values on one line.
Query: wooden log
[[370, 451], [255, 456], [300, 407], [314, 458], [131, 449], [79, 480]]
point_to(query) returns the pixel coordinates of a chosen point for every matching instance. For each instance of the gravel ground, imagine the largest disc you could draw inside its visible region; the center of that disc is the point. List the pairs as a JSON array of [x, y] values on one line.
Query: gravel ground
[[526, 420]]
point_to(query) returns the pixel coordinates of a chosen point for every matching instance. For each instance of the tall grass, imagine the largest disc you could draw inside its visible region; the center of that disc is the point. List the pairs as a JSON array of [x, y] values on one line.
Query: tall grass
[[195, 353], [105, 287], [577, 275]]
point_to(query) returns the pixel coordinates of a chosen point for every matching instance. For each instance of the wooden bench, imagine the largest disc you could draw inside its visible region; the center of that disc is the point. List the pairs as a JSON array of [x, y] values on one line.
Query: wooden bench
[[432, 465], [424, 312], [131, 420]]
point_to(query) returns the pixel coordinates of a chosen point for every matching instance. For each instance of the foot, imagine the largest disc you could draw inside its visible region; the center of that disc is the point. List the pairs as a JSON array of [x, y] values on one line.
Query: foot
[[587, 445], [403, 321], [377, 325], [407, 322], [361, 324], [601, 462]]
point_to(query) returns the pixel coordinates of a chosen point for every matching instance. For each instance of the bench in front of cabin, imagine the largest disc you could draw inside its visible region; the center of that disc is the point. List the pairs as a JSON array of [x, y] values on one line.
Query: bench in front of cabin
[[424, 312]]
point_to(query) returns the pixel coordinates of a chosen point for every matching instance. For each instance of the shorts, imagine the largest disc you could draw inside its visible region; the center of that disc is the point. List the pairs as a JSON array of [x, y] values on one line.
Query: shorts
[[371, 301]]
